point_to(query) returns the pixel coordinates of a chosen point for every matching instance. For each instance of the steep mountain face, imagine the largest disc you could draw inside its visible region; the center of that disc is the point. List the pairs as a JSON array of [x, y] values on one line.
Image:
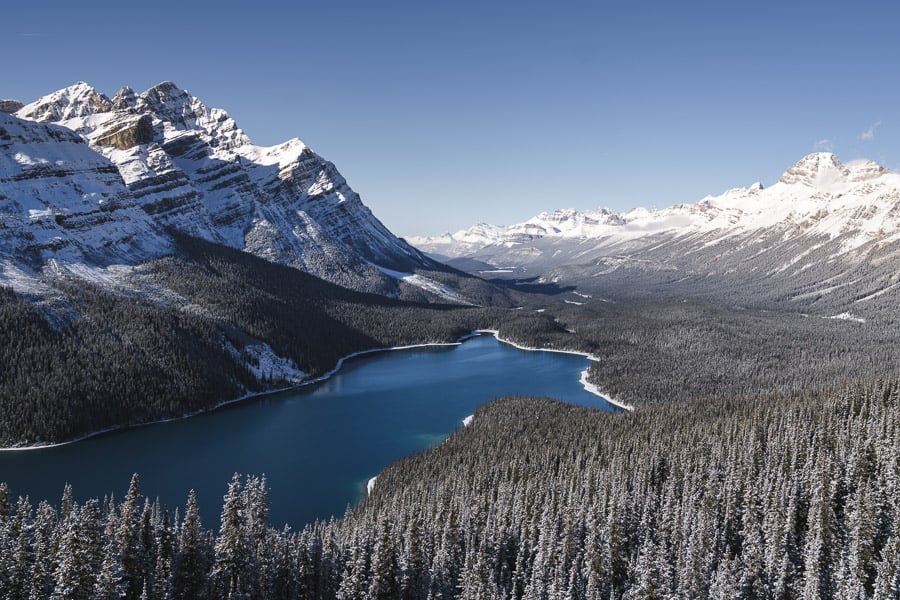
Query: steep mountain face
[[62, 203], [154, 262], [192, 169], [825, 235]]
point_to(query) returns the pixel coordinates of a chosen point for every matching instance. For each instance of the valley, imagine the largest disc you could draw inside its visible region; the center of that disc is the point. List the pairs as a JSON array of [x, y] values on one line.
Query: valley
[[378, 408], [156, 264]]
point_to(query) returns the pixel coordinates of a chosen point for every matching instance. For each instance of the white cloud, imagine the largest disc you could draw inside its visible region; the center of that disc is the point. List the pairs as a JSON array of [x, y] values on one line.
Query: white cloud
[[869, 134], [824, 145]]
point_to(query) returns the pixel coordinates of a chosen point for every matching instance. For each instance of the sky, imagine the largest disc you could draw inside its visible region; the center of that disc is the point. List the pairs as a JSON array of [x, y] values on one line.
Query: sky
[[445, 114]]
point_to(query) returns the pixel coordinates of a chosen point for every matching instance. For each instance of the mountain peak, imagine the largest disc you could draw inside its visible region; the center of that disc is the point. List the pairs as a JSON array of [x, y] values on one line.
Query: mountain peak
[[76, 100], [167, 100], [124, 99], [862, 170], [812, 168], [10, 106]]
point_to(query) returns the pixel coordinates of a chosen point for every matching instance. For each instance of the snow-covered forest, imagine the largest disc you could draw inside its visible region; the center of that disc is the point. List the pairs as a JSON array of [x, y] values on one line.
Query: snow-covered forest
[[794, 496]]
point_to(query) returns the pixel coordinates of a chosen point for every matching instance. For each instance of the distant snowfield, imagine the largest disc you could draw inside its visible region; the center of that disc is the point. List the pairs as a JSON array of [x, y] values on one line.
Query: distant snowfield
[[818, 197], [846, 316], [429, 285]]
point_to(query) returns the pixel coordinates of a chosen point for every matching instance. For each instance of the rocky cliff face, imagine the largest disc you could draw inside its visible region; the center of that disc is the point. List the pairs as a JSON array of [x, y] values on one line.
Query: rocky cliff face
[[10, 106], [192, 169], [61, 201]]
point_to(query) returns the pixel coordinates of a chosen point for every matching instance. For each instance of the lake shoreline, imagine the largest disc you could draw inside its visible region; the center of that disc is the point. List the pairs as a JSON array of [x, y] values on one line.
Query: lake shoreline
[[340, 363], [588, 386]]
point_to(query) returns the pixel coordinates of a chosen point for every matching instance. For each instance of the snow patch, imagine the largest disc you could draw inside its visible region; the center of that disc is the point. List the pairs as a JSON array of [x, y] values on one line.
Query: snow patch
[[878, 293], [265, 364], [847, 316], [20, 281], [429, 285]]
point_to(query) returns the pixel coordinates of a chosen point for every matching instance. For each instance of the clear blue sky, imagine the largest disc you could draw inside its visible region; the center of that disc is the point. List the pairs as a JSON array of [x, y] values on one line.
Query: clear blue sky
[[443, 114]]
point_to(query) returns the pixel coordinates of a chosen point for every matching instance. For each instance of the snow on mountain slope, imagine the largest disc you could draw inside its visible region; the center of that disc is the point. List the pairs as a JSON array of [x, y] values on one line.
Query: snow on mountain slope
[[61, 201], [859, 201], [192, 169], [826, 234]]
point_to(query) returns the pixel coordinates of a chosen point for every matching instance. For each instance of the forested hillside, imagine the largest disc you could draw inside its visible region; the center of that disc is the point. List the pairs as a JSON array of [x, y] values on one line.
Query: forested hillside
[[790, 497], [679, 351], [91, 358]]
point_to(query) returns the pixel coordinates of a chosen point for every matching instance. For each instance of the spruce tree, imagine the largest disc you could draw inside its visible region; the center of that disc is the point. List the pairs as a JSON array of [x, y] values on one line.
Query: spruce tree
[[190, 574]]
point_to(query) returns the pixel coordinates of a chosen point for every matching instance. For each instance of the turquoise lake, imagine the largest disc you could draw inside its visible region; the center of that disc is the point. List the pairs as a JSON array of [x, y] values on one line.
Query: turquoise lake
[[318, 445]]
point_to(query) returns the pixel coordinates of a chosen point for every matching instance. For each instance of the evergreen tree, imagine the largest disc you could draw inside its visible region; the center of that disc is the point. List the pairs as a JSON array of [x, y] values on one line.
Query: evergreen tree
[[235, 573], [129, 542], [384, 583], [45, 544], [190, 570], [74, 574]]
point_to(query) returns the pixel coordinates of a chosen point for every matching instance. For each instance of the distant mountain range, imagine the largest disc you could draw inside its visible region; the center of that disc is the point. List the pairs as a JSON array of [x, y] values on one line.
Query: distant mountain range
[[88, 180], [824, 235]]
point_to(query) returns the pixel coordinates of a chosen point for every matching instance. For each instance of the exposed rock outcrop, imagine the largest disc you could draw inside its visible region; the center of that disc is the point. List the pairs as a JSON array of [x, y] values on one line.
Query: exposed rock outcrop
[[192, 169], [10, 106], [126, 133]]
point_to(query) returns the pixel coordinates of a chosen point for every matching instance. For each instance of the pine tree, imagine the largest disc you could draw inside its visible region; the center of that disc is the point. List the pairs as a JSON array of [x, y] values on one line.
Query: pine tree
[[354, 575], [46, 540], [108, 585], [818, 542], [413, 564], [190, 570], [887, 578], [130, 543], [74, 571], [754, 584], [165, 558], [384, 582], [22, 552], [4, 501], [235, 573], [475, 580]]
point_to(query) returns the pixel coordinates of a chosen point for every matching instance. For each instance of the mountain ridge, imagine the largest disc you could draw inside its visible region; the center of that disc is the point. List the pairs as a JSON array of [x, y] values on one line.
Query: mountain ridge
[[193, 170], [821, 171], [823, 224]]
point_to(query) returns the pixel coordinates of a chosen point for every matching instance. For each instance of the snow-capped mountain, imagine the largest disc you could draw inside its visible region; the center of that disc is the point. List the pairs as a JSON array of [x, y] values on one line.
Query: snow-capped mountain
[[818, 195], [822, 219], [61, 201], [192, 169]]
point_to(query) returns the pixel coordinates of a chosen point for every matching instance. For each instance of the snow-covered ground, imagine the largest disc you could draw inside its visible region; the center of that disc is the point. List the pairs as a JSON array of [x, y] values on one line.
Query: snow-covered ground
[[266, 365], [846, 316], [429, 285], [818, 196]]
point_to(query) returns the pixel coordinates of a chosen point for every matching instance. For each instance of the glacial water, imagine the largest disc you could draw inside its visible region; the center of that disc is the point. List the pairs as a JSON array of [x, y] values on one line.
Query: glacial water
[[317, 445]]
